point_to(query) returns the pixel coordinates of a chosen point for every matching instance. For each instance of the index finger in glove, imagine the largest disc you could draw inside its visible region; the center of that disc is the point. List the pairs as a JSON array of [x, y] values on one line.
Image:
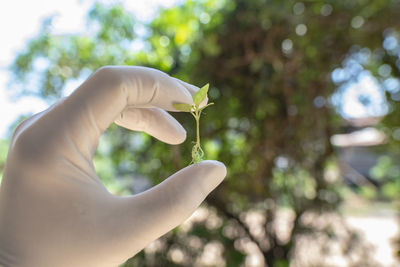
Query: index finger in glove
[[153, 121], [76, 123], [111, 89]]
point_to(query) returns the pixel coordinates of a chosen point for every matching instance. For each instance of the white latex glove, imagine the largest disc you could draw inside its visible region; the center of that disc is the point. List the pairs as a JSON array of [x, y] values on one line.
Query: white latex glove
[[54, 211]]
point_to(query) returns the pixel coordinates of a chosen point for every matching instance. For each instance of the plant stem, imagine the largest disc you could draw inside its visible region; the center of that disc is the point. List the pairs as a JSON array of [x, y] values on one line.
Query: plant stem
[[197, 152], [198, 128]]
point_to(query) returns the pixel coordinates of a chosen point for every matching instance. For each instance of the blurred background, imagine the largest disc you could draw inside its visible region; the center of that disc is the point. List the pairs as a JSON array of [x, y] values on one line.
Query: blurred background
[[306, 118]]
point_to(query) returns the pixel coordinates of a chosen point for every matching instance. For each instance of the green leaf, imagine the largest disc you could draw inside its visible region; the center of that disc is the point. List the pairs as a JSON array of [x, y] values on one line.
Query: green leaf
[[200, 95], [182, 107]]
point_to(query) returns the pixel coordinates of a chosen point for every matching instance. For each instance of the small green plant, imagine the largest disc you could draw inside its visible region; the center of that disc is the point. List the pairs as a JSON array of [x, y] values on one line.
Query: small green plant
[[195, 110]]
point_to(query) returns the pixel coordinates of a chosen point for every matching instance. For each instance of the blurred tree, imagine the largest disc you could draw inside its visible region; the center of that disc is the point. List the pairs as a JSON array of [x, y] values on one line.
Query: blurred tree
[[269, 64]]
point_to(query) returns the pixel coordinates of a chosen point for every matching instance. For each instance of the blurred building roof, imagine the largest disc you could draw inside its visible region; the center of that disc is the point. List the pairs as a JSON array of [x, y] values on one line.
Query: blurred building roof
[[368, 136], [359, 132]]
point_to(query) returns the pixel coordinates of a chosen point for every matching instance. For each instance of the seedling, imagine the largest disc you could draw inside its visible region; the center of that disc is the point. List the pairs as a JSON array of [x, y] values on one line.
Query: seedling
[[195, 110]]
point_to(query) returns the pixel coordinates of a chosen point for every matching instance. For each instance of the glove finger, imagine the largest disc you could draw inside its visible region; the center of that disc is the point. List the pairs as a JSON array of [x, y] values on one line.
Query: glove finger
[[73, 126], [114, 88], [153, 121], [144, 217]]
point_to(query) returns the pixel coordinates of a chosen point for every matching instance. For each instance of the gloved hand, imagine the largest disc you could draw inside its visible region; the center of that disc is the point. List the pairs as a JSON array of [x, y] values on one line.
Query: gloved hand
[[54, 211]]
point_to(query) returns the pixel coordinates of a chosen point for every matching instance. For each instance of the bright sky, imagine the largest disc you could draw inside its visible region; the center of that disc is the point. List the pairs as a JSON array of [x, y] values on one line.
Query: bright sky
[[20, 20]]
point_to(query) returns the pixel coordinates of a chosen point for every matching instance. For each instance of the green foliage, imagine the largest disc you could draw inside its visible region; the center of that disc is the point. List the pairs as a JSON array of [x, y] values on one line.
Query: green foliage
[[266, 74], [183, 107], [200, 95], [66, 58], [3, 154], [387, 173]]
